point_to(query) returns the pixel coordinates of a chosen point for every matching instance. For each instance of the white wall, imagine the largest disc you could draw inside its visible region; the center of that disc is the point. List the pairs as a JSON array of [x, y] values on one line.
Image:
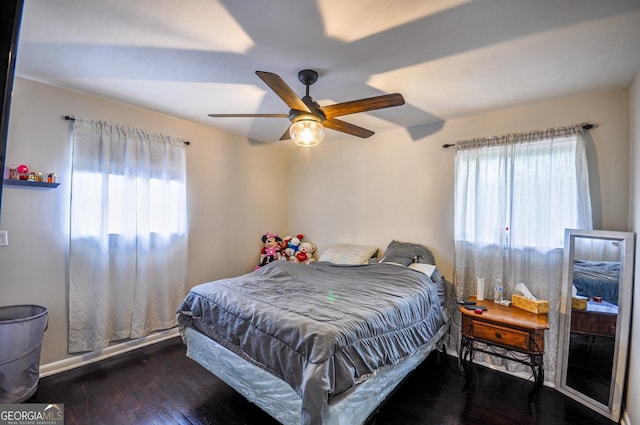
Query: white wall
[[393, 187], [632, 415], [230, 204]]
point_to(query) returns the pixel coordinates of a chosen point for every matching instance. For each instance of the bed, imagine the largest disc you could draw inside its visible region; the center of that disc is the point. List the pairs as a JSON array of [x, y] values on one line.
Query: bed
[[323, 343]]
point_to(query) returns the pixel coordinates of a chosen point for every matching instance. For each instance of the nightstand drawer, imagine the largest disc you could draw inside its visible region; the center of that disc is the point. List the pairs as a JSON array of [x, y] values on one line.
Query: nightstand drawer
[[507, 337]]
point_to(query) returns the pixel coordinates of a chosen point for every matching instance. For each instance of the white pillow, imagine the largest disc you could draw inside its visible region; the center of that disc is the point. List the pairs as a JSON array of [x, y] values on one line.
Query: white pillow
[[427, 269], [346, 253]]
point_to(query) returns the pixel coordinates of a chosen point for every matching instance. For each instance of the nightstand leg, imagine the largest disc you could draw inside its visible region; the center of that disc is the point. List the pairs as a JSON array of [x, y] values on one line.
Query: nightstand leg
[[538, 376], [471, 374]]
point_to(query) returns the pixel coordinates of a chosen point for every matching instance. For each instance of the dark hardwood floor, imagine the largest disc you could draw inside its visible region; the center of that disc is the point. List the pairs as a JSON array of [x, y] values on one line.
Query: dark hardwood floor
[[160, 385]]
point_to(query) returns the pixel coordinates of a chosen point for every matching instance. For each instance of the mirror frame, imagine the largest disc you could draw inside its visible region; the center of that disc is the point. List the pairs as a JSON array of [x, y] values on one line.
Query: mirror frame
[[612, 410]]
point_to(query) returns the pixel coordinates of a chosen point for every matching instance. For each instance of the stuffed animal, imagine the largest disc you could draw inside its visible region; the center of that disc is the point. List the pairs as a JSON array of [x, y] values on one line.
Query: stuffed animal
[[285, 242], [271, 250], [292, 246], [305, 253]]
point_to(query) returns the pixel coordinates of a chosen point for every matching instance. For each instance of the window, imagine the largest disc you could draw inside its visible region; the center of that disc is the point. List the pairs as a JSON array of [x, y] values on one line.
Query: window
[[128, 234], [164, 219], [519, 195]]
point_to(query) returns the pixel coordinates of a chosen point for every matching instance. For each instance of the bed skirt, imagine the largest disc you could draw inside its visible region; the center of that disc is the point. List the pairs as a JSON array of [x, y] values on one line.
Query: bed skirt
[[278, 399]]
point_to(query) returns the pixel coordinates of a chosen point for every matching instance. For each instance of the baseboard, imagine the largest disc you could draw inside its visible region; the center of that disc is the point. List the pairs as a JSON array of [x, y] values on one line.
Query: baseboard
[[49, 369]]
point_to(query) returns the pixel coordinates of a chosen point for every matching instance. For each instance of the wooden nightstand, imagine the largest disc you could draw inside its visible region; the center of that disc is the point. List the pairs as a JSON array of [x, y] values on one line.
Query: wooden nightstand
[[507, 332]]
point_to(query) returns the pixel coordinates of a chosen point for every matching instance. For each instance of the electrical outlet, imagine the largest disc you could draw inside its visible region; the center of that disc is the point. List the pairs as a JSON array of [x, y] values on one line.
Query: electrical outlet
[[4, 238]]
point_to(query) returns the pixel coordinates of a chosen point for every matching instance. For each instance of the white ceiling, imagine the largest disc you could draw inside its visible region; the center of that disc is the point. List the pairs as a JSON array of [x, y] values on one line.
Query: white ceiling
[[449, 58]]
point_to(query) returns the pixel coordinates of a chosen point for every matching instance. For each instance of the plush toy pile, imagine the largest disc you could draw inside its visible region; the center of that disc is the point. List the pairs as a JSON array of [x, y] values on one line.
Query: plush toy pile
[[289, 248]]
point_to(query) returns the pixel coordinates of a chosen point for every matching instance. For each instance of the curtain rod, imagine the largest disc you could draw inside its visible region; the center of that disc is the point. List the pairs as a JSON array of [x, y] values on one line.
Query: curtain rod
[[72, 118], [585, 126]]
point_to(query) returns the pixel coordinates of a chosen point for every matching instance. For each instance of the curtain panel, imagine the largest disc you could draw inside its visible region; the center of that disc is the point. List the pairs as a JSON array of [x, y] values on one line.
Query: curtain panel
[[514, 196], [128, 233]]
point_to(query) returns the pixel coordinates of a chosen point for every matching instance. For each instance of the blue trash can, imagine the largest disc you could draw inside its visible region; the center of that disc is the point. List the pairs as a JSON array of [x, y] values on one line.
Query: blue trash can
[[21, 331]]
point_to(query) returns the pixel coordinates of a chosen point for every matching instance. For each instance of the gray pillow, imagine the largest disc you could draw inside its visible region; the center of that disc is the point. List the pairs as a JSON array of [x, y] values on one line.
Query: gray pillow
[[406, 253]]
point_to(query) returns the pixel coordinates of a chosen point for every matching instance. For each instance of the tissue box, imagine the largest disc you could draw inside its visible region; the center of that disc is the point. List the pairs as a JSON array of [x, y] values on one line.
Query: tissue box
[[579, 303], [534, 306]]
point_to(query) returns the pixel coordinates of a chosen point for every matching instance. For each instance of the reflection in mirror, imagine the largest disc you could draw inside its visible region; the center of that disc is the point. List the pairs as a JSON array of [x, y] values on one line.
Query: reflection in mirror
[[594, 311], [594, 318]]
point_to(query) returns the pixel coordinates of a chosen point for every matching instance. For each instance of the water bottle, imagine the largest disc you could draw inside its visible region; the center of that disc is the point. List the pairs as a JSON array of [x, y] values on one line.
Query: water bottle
[[498, 291]]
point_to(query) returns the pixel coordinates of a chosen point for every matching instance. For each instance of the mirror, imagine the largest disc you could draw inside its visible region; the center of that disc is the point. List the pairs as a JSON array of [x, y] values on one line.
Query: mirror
[[595, 314]]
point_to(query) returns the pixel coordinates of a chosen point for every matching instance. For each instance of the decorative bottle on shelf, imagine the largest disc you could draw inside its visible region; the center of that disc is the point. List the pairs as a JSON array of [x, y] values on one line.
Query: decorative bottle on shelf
[[498, 291]]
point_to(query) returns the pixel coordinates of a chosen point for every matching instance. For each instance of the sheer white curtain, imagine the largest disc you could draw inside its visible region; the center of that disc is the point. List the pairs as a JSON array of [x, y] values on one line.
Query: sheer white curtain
[[128, 241], [514, 196]]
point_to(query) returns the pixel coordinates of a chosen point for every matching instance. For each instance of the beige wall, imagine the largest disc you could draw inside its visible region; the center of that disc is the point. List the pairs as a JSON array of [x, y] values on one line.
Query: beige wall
[[391, 186], [230, 204], [632, 415]]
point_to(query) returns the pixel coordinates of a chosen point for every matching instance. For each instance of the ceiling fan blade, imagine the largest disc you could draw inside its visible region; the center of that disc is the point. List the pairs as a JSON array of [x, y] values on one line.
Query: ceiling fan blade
[[363, 105], [283, 90], [249, 115], [286, 135], [345, 127]]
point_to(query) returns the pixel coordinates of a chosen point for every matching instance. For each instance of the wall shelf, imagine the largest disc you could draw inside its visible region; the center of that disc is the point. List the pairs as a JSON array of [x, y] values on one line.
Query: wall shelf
[[28, 183]]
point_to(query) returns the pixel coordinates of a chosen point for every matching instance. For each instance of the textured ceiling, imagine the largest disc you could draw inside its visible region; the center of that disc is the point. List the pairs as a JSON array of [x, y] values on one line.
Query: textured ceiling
[[449, 58]]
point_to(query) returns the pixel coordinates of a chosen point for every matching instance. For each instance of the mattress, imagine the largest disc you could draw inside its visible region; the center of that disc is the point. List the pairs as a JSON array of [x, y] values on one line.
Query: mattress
[[321, 328]]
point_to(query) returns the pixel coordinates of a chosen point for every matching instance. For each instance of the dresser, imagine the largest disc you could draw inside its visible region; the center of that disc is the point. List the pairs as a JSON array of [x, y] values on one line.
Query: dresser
[[507, 332]]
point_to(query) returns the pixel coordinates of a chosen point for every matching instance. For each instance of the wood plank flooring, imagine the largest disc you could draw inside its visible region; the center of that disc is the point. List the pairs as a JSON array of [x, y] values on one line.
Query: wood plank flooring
[[160, 385]]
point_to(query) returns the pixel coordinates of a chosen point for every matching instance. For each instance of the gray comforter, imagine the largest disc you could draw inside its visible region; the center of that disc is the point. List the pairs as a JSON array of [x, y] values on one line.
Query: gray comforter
[[322, 328], [597, 279]]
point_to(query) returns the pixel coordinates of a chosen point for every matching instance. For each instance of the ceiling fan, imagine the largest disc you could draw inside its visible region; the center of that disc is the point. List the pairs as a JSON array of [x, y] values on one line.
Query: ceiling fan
[[308, 119]]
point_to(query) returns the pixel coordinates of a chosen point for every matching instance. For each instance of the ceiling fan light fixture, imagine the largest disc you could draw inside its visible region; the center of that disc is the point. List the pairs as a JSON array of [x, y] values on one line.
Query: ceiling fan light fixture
[[307, 133], [307, 116]]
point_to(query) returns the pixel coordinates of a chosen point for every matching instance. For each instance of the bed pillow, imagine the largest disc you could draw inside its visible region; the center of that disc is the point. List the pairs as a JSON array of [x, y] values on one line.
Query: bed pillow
[[435, 276], [406, 253], [345, 253], [428, 269]]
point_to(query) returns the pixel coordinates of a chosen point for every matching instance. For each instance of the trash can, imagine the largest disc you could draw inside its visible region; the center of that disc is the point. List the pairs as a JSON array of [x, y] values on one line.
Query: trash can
[[21, 330]]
